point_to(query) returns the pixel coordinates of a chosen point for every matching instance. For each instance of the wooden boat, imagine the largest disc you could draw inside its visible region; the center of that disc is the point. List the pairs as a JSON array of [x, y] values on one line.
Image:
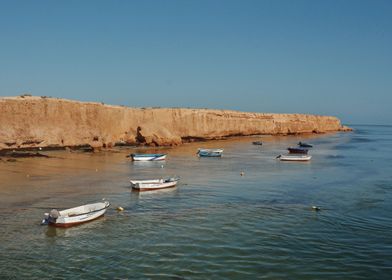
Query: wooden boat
[[257, 143], [147, 157], [77, 215], [294, 157], [297, 150], [304, 145], [155, 184], [210, 152]]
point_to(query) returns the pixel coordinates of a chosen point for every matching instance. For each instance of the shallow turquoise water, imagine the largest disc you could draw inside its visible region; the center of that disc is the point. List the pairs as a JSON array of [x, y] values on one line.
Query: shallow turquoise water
[[216, 223]]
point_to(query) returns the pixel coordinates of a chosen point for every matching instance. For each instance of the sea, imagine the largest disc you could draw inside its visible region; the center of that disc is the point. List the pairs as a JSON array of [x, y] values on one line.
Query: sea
[[246, 215]]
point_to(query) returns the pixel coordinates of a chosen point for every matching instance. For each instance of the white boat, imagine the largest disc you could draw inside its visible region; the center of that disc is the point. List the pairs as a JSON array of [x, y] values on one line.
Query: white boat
[[152, 181], [155, 184], [209, 152], [147, 157], [77, 215], [296, 157]]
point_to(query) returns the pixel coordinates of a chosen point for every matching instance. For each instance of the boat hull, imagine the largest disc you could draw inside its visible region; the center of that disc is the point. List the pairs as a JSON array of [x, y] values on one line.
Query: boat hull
[[142, 187], [72, 224], [153, 181], [210, 155], [78, 215], [295, 158], [304, 145], [297, 151], [156, 157], [210, 152]]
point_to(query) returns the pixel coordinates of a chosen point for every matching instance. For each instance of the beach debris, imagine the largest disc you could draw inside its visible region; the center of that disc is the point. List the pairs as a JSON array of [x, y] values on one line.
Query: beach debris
[[119, 209], [316, 208]]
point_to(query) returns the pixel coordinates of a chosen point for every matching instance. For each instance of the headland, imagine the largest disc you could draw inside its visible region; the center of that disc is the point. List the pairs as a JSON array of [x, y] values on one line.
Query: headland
[[28, 122]]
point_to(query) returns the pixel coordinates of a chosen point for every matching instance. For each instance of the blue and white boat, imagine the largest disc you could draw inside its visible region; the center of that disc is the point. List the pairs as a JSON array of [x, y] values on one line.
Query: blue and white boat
[[147, 157], [304, 145], [210, 152]]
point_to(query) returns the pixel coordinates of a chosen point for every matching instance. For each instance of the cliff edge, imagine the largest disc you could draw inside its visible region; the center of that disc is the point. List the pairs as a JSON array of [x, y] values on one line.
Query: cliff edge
[[27, 122]]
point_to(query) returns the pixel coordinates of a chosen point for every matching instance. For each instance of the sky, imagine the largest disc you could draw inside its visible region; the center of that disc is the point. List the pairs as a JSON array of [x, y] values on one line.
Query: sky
[[295, 56]]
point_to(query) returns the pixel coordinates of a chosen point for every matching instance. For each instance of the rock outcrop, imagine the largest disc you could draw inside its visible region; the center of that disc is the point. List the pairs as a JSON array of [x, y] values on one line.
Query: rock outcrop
[[27, 122]]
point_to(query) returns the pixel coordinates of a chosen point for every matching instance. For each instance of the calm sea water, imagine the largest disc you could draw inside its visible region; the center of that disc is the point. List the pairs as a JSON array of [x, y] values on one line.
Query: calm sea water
[[216, 223]]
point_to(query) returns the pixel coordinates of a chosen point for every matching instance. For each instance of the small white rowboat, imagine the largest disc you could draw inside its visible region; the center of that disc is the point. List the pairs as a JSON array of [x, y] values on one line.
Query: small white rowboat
[[147, 157], [156, 184], [294, 157], [77, 215]]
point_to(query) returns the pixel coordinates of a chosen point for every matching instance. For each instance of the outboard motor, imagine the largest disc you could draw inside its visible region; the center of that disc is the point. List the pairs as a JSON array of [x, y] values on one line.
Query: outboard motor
[[53, 215], [45, 221]]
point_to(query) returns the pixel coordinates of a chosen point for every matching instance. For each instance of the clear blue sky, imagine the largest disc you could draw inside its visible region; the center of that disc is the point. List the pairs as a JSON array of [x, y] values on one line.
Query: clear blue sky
[[322, 57]]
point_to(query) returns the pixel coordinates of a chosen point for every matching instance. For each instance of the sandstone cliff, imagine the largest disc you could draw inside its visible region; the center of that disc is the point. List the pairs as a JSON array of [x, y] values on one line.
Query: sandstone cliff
[[43, 122]]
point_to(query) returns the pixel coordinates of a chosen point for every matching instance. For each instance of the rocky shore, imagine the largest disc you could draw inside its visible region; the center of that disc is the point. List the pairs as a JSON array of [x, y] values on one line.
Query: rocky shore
[[28, 122]]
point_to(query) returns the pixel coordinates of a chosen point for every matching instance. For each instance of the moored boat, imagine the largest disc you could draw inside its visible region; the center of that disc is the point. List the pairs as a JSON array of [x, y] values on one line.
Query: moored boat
[[148, 181], [304, 145], [147, 157], [297, 150], [294, 157], [77, 215], [155, 184], [210, 152]]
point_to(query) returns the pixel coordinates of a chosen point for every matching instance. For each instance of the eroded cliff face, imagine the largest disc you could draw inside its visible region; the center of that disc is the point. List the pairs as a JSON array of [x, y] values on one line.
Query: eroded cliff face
[[27, 122]]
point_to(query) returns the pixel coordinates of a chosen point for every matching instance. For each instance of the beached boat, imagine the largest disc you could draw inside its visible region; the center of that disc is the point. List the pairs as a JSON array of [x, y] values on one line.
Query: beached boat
[[304, 145], [297, 150], [77, 215], [294, 157], [155, 184], [147, 157], [257, 143], [210, 152]]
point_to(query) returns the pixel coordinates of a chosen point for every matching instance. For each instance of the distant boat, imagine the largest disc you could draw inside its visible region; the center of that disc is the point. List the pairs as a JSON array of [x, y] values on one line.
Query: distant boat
[[294, 157], [210, 152], [155, 184], [77, 215], [297, 150], [304, 145], [257, 143], [147, 157]]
